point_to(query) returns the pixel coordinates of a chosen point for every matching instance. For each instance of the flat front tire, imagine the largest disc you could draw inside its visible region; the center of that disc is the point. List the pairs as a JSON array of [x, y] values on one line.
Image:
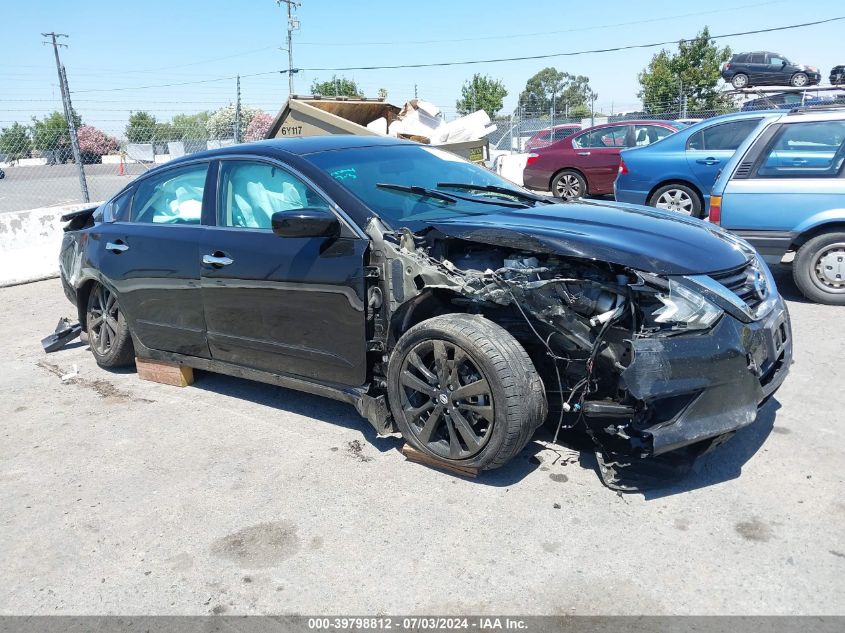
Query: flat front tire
[[108, 334], [464, 391], [819, 269]]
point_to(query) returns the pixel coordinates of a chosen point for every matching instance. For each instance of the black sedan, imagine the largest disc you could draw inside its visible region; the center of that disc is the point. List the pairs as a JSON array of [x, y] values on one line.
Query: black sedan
[[441, 300]]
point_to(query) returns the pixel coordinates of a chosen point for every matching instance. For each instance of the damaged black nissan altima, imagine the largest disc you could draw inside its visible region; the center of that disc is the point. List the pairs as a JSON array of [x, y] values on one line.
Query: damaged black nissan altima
[[442, 301]]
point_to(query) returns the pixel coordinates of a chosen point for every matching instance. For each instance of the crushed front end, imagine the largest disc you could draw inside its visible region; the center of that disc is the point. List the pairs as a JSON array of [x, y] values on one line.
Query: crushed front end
[[647, 365]]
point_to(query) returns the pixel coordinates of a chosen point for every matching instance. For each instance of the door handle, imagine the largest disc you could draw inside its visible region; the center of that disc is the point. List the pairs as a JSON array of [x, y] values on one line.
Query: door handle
[[116, 247], [708, 161], [218, 260], [799, 161], [584, 153]]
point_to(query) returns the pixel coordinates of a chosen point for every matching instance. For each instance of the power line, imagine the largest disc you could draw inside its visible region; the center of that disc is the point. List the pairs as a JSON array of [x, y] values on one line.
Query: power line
[[347, 44], [572, 53], [181, 83]]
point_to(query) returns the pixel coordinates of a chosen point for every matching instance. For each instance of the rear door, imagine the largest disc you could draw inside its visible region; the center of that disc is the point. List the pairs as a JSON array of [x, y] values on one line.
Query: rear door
[[293, 305], [796, 177], [596, 155], [710, 148], [758, 69], [149, 255]]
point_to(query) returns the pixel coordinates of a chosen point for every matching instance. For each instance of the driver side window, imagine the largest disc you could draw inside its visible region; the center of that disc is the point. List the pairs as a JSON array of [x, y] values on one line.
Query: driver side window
[[251, 192]]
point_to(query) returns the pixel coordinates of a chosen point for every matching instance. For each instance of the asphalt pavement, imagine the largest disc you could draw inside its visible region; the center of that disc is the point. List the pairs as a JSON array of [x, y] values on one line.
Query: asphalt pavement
[[121, 496], [52, 185]]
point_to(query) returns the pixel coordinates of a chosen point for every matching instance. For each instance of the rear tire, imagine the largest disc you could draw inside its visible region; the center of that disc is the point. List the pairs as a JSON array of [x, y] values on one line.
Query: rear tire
[[739, 81], [678, 198], [464, 391], [799, 80], [108, 334], [569, 185], [819, 269]]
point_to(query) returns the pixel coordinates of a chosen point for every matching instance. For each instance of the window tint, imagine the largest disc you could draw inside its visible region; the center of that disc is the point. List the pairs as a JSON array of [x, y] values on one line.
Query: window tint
[[757, 58], [119, 210], [814, 149], [563, 133], [603, 137], [726, 136], [740, 59], [251, 192], [648, 134], [172, 197]]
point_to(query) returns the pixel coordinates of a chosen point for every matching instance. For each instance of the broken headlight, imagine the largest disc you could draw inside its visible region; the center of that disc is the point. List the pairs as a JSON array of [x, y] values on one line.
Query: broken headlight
[[685, 308]]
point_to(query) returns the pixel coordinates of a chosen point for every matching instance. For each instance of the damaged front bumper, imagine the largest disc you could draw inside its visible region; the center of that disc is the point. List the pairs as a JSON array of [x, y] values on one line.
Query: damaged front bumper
[[700, 386]]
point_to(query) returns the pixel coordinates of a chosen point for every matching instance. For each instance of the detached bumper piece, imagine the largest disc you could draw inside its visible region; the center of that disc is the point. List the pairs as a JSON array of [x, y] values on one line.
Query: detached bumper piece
[[65, 332], [694, 391]]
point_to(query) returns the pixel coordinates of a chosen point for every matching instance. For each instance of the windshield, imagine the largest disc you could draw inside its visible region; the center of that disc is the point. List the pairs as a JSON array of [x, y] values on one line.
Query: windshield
[[383, 178]]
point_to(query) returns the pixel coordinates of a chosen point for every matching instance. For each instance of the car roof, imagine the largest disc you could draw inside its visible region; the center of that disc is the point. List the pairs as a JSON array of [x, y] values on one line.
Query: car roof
[[816, 113]]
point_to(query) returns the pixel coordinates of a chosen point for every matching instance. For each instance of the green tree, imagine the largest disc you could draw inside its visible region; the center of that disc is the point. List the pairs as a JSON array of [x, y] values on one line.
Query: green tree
[[192, 126], [336, 86], [15, 142], [481, 93], [52, 132], [571, 95], [141, 127], [694, 71]]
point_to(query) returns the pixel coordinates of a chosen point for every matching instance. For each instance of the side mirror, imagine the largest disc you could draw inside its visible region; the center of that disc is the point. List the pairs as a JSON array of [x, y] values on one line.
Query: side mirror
[[307, 222]]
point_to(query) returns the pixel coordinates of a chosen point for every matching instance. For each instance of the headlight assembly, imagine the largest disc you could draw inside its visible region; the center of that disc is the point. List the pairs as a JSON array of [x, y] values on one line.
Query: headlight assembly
[[685, 308]]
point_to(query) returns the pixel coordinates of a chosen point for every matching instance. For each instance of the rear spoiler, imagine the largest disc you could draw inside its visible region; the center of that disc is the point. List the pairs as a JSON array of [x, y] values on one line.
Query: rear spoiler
[[78, 219]]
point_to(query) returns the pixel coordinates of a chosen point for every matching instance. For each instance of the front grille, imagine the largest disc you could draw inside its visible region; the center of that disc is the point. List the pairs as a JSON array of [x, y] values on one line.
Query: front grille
[[740, 281]]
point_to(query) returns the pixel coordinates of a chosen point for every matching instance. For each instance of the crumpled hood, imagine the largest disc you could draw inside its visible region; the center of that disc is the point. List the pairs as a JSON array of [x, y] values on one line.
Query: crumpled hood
[[630, 235]]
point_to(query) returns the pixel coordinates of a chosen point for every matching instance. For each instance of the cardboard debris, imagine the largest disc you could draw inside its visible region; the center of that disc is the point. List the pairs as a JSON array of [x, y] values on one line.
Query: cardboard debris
[[423, 122]]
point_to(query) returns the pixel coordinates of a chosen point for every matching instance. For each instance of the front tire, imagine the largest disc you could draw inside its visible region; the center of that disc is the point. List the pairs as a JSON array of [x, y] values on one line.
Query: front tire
[[464, 391], [819, 269], [569, 185], [799, 80], [678, 198], [108, 334], [739, 81]]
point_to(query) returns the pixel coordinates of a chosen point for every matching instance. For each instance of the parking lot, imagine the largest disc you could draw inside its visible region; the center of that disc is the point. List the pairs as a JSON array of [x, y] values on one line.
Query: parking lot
[[130, 497], [52, 185]]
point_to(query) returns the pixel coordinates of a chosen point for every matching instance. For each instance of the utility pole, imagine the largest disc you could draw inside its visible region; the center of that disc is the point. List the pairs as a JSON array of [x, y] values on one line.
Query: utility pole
[[415, 91], [554, 105], [238, 112], [293, 25], [71, 126]]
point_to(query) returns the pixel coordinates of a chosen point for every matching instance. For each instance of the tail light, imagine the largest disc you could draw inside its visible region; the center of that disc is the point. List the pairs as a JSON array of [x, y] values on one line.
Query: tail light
[[532, 158], [623, 168], [727, 66], [715, 209]]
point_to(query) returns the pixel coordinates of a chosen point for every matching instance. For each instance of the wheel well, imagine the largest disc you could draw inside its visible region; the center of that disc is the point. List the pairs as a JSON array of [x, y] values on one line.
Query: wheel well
[[577, 171], [677, 181], [82, 294], [424, 306], [806, 236]]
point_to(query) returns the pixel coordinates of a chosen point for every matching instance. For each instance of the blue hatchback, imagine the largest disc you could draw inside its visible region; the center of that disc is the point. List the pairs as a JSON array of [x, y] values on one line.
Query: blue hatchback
[[677, 172]]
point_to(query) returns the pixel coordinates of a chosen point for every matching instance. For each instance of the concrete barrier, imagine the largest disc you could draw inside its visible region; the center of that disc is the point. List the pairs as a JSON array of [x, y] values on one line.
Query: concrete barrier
[[29, 243]]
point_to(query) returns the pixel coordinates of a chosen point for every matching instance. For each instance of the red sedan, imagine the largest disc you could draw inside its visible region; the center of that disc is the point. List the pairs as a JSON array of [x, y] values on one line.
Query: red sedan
[[587, 163]]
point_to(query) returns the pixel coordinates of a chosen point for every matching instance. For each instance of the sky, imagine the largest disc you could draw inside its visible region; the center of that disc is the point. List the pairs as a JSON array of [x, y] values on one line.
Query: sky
[[117, 48]]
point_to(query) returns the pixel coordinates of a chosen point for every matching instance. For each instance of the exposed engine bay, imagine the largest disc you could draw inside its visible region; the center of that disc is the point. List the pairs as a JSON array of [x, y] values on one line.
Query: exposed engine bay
[[582, 322]]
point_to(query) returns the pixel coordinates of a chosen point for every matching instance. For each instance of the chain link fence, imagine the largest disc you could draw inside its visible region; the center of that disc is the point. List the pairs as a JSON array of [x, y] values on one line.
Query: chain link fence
[[39, 169]]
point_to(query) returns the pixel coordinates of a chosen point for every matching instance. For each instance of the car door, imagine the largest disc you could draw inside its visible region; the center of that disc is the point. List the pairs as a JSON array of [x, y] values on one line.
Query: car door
[[710, 148], [596, 155], [149, 255], [292, 305], [777, 70], [758, 69], [787, 187]]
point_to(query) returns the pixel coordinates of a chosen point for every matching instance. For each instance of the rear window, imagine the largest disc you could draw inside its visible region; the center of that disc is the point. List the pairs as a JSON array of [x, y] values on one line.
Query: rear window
[[725, 136], [812, 149]]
